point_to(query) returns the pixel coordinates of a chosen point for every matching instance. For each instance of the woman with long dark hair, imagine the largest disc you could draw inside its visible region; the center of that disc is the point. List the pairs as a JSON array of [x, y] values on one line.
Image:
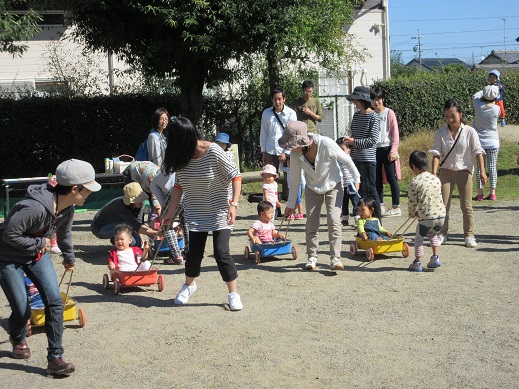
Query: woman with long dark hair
[[203, 173]]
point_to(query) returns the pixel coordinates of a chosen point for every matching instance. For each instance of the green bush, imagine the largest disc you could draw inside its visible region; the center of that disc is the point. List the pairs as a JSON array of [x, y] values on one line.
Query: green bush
[[418, 100], [38, 133]]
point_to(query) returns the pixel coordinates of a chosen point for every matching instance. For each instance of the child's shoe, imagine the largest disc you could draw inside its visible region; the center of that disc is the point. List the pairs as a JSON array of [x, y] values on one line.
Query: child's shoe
[[442, 238], [299, 216], [491, 196], [345, 221], [479, 197], [503, 123], [434, 262], [54, 249], [416, 266]]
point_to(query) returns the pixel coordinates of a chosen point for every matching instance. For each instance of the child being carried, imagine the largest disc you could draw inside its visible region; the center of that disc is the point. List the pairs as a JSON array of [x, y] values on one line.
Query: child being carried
[[263, 230], [125, 257]]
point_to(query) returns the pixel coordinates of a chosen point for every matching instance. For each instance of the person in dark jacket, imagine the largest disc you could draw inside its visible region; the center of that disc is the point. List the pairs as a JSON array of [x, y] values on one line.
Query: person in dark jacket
[[25, 241], [127, 209]]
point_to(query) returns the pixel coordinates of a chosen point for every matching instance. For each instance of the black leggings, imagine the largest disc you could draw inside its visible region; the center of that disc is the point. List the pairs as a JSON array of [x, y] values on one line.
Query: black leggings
[[389, 168], [197, 241]]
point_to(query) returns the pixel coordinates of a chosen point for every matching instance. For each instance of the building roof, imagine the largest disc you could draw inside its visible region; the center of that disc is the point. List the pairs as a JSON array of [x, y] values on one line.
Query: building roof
[[501, 57], [436, 63]]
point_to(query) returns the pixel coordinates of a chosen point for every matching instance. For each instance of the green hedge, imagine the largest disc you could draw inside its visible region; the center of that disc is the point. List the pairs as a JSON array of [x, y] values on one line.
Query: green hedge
[[418, 100], [38, 133]]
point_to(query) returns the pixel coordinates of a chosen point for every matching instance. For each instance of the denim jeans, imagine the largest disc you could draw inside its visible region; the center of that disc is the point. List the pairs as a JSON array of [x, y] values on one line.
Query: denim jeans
[[224, 261], [107, 232], [43, 275]]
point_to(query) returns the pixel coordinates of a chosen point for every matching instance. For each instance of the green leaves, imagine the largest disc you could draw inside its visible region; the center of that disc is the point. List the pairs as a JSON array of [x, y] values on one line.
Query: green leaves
[[16, 26]]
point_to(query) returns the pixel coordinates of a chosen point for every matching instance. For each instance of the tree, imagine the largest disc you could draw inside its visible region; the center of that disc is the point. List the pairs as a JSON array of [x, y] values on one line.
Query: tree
[[16, 27], [195, 41]]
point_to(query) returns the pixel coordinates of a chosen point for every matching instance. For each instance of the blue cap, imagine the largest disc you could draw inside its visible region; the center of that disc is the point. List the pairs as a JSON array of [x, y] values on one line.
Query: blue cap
[[222, 137]]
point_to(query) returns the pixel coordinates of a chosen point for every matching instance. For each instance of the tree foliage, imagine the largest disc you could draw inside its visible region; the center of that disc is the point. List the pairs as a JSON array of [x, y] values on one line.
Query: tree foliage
[[195, 42], [16, 27]]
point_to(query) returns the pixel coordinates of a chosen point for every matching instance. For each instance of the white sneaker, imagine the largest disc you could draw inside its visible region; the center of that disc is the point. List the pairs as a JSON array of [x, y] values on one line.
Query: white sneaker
[[393, 212], [311, 264], [184, 294], [235, 303], [470, 241], [442, 238], [336, 264]]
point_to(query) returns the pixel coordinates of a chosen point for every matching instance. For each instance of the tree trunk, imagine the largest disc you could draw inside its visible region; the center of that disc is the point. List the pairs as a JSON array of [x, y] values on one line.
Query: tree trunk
[[273, 68], [192, 103]]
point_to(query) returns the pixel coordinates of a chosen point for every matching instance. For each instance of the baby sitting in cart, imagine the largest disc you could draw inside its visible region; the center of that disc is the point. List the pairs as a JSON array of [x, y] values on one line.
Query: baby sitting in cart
[[125, 257], [368, 225], [263, 230]]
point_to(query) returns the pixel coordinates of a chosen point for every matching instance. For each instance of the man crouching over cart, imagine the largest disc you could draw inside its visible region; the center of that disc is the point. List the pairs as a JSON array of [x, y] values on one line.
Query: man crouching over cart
[[25, 240]]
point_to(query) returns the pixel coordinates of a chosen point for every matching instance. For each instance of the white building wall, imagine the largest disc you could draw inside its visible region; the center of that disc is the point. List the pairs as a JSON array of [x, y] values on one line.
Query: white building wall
[[31, 68]]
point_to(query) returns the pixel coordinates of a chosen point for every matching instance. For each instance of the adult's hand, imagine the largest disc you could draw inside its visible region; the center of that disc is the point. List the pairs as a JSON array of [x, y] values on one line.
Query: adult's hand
[[282, 157], [289, 211], [264, 158], [68, 266], [231, 215]]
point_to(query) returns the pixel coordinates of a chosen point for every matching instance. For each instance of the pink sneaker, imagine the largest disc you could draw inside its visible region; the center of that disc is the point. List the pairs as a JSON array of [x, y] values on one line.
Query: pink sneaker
[[491, 196], [291, 217], [479, 197], [299, 216]]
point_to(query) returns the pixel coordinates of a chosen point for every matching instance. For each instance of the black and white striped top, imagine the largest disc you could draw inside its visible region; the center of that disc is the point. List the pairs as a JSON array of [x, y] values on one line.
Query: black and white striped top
[[365, 130], [205, 182]]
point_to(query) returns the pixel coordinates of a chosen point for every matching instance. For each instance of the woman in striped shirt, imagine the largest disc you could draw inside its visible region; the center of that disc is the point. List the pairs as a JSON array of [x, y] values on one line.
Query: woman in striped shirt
[[365, 130], [203, 173]]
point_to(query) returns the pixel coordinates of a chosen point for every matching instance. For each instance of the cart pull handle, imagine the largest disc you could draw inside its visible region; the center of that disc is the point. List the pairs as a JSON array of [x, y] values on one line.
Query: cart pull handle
[[408, 226], [281, 226], [71, 271]]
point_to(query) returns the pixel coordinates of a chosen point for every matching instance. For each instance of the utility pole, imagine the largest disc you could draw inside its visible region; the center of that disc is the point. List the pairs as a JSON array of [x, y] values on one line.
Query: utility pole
[[418, 47], [504, 33]]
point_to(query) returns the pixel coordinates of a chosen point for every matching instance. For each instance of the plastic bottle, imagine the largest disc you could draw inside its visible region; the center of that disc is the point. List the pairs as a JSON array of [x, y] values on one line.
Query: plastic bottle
[[107, 165]]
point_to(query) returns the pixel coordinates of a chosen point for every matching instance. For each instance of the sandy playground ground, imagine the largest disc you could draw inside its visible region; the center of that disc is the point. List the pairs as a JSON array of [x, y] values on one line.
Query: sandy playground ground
[[373, 325]]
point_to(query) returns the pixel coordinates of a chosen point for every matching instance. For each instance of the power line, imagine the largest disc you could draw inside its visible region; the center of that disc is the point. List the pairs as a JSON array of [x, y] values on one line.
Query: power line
[[452, 32], [457, 19]]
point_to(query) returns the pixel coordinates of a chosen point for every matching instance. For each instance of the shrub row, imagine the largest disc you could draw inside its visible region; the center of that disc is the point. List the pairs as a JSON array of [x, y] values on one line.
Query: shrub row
[[38, 133], [418, 100]]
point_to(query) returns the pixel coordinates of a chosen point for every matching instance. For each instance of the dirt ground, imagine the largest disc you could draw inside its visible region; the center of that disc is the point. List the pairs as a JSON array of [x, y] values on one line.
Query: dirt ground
[[371, 325]]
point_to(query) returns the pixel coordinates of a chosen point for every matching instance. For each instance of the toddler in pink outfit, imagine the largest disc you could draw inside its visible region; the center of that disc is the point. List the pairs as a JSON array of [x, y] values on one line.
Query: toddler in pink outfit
[[270, 186], [263, 230]]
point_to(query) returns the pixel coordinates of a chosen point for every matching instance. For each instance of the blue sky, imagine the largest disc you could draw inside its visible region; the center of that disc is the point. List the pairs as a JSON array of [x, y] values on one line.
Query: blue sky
[[453, 29]]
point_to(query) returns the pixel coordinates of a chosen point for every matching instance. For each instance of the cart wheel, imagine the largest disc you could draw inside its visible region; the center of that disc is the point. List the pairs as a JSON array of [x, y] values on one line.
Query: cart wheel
[[29, 328], [257, 257], [247, 252], [160, 283], [106, 281], [294, 252], [353, 248], [117, 286], [81, 318], [370, 254], [405, 250]]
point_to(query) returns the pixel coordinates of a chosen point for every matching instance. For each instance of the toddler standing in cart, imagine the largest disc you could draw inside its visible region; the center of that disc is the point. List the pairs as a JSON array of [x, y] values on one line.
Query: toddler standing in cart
[[425, 203], [125, 257]]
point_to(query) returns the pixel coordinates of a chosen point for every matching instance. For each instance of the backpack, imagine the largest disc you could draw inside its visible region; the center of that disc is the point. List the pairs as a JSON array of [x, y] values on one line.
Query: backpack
[[142, 151]]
